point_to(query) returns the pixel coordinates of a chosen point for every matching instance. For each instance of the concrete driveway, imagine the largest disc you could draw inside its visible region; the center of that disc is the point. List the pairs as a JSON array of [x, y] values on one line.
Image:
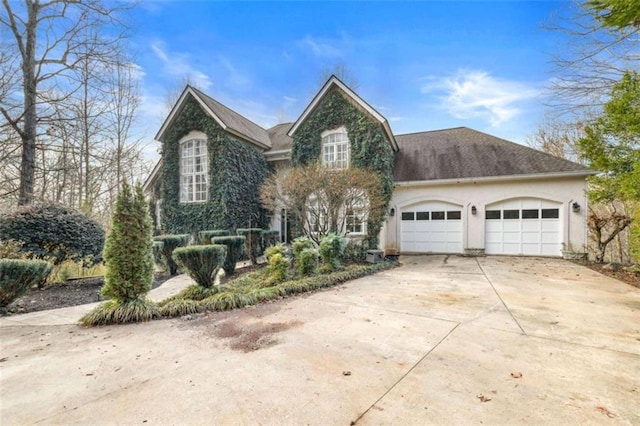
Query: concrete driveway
[[440, 340]]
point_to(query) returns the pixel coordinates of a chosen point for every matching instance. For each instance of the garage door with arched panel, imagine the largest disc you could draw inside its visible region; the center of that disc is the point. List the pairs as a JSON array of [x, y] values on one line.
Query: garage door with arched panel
[[523, 226], [431, 227]]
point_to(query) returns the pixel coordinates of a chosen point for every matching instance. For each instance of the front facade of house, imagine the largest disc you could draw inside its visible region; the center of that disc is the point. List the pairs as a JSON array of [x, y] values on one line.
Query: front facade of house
[[447, 191]]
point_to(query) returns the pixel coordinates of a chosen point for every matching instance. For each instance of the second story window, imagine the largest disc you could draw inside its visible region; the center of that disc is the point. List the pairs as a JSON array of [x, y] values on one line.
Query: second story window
[[335, 149], [194, 176]]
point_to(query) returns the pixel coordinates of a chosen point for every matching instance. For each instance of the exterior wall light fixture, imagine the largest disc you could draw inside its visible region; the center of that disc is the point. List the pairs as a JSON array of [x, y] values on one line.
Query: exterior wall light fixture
[[575, 207], [474, 210]]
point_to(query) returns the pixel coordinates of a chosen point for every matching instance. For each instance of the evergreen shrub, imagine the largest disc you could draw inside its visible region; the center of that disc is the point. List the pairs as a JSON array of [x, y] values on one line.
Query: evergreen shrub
[[17, 276], [169, 244], [331, 250], [299, 244], [354, 252], [251, 243], [54, 233], [269, 238], [234, 251], [307, 262], [202, 263], [204, 237], [277, 263], [128, 256]]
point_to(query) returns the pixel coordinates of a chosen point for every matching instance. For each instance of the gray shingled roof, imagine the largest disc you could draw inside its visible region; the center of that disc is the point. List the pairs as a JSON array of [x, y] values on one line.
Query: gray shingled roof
[[235, 121], [466, 153], [279, 138]]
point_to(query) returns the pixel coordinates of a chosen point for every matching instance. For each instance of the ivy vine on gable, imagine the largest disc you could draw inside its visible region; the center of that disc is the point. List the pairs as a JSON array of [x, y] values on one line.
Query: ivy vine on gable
[[236, 171], [370, 148]]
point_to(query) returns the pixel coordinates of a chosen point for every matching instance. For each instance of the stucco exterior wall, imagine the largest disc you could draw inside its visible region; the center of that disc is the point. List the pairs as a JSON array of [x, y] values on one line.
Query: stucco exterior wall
[[565, 191]]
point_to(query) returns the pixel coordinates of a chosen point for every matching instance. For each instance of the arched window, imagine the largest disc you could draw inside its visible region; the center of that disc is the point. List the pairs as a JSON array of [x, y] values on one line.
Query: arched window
[[335, 148], [194, 170]]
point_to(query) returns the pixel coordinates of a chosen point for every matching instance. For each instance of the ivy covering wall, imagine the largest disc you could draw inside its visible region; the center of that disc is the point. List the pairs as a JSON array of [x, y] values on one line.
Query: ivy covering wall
[[370, 148], [236, 171]]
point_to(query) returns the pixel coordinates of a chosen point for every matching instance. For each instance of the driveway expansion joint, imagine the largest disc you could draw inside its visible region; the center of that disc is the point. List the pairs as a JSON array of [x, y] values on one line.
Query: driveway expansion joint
[[500, 297], [353, 422]]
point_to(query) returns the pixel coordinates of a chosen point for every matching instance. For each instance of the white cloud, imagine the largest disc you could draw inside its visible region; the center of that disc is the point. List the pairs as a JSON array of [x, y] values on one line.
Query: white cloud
[[177, 64], [320, 48], [477, 94]]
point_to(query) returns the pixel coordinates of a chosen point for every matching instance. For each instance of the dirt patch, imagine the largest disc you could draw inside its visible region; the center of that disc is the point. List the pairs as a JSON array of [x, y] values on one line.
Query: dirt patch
[[242, 330], [251, 337], [617, 271]]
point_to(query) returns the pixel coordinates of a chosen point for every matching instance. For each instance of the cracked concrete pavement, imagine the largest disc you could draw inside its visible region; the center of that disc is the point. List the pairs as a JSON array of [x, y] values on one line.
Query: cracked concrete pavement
[[439, 340]]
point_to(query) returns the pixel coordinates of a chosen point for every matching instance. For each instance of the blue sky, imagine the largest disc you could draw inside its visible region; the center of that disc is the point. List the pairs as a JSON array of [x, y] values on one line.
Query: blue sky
[[424, 65]]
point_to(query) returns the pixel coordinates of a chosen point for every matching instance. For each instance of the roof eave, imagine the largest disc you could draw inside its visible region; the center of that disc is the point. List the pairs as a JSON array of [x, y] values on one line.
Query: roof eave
[[488, 179], [153, 176]]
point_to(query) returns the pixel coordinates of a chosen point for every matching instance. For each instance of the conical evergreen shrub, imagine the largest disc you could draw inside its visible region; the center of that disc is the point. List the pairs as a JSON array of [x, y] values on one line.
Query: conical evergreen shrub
[[128, 256]]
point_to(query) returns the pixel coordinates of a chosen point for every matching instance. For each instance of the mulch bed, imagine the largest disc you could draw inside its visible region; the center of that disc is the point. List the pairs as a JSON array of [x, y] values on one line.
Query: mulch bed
[[69, 293]]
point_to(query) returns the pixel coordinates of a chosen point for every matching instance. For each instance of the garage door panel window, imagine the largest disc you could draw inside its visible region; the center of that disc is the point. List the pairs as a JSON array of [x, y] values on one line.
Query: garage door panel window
[[437, 215], [512, 214], [454, 215], [493, 214], [530, 214], [408, 215], [422, 215], [550, 213]]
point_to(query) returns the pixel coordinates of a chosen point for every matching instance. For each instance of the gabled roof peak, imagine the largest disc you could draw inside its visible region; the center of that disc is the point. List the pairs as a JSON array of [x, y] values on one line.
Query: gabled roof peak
[[332, 82], [227, 118]]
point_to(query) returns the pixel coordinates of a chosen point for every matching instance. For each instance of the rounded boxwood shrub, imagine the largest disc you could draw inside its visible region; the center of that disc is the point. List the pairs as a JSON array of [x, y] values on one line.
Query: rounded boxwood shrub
[[277, 263], [251, 242], [205, 236], [17, 276], [234, 251], [169, 244], [54, 233], [299, 244], [331, 250], [307, 262], [202, 263]]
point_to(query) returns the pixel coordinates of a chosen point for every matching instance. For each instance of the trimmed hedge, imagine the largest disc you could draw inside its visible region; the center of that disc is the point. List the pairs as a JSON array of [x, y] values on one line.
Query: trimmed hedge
[[252, 242], [202, 263], [17, 276], [169, 244], [205, 236], [234, 251], [269, 237]]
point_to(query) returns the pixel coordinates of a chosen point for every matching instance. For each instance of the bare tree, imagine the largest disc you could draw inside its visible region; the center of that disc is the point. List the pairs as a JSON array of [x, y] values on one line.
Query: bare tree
[[558, 138], [590, 63], [50, 39]]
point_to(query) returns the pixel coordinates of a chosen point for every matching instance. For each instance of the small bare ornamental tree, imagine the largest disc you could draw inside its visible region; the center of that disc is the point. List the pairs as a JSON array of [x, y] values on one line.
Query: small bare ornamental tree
[[324, 200]]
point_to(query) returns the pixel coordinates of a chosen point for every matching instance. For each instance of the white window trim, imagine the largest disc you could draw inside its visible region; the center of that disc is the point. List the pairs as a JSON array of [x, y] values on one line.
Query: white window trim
[[334, 147], [190, 197]]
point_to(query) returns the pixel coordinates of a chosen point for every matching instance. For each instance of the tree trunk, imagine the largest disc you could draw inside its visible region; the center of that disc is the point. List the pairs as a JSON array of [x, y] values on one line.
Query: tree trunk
[[27, 167]]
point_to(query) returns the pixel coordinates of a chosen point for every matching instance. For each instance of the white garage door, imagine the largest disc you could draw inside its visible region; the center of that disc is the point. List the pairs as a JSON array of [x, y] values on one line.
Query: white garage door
[[528, 226], [433, 227]]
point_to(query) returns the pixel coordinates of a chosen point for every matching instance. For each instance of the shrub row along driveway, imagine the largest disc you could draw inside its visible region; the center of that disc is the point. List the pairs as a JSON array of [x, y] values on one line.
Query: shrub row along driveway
[[439, 340]]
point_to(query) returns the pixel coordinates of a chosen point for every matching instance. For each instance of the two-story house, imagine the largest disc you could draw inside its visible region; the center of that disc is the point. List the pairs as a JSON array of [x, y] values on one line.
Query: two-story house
[[449, 191]]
